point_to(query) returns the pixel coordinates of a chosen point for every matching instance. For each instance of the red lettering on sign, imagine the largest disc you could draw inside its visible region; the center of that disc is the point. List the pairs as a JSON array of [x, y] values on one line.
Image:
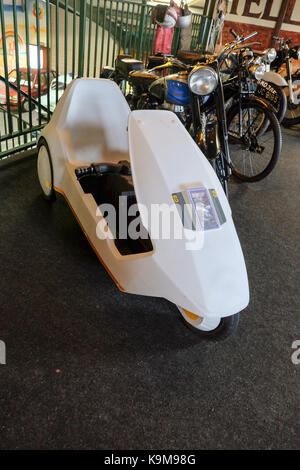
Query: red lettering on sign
[[247, 8]]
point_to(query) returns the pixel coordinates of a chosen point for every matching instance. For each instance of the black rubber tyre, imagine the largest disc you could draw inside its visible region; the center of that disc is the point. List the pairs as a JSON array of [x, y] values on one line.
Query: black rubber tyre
[[26, 107], [42, 144], [290, 121], [270, 122], [226, 328], [292, 117], [283, 103]]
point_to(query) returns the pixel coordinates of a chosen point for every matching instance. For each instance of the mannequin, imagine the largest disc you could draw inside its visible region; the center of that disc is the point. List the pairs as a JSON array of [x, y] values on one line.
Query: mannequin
[[164, 35]]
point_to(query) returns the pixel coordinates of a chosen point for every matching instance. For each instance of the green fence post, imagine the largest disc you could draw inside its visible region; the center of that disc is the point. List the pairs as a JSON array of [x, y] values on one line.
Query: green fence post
[[206, 22], [141, 28], [109, 33], [48, 59], [124, 48], [4, 50], [90, 38], [103, 35], [56, 47], [175, 42], [74, 38], [121, 28], [28, 62], [15, 20], [81, 45], [38, 58], [115, 31], [96, 38], [66, 43]]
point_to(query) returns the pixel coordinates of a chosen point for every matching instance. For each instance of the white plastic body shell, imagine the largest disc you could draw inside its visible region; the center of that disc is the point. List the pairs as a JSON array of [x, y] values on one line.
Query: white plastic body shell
[[92, 123]]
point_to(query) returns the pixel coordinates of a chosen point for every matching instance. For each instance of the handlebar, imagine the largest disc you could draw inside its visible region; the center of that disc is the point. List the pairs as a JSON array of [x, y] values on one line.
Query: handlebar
[[276, 38], [240, 38], [235, 43], [248, 37], [249, 44], [172, 61], [281, 40], [236, 36]]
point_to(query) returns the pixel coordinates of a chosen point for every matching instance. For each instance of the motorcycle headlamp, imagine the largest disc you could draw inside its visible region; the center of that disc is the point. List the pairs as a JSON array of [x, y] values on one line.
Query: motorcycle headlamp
[[270, 54], [203, 80], [258, 71]]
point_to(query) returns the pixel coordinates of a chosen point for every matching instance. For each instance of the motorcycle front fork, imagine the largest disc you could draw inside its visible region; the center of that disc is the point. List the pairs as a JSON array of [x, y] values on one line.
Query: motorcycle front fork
[[209, 143], [290, 81], [218, 165]]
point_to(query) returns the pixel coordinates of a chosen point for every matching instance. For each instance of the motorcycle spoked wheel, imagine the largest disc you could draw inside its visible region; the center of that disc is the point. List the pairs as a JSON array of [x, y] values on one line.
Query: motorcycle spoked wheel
[[255, 153], [292, 116], [216, 329]]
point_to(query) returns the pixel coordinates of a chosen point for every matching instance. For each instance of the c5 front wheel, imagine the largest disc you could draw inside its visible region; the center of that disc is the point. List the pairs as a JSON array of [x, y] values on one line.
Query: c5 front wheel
[[214, 328]]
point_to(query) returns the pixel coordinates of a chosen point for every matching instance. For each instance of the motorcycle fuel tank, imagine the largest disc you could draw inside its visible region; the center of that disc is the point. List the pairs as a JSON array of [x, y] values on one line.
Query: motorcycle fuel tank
[[173, 88]]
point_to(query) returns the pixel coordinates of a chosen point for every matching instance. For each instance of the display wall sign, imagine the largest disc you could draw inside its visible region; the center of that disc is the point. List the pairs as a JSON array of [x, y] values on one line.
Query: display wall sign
[[9, 31], [246, 16]]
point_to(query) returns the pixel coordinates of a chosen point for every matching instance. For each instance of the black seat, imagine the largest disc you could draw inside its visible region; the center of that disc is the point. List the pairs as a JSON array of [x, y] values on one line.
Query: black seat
[[125, 63], [155, 60]]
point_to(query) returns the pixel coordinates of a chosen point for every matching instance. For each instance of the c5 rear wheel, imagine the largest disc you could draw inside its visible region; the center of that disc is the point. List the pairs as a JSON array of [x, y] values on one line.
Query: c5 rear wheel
[[45, 170]]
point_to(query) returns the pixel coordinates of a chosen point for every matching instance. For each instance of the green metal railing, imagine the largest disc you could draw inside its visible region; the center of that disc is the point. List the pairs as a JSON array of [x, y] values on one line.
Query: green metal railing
[[21, 141], [69, 38]]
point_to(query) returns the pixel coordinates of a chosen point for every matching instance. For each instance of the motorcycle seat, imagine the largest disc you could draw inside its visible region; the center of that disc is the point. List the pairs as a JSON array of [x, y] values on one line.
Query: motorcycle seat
[[126, 63], [155, 60]]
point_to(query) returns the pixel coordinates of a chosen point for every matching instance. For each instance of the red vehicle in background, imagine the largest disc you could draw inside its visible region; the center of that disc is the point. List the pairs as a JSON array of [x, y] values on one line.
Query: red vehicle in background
[[34, 87]]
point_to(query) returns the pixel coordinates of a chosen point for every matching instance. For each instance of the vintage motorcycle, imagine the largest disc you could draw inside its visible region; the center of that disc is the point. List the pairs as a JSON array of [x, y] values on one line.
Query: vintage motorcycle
[[250, 150], [196, 95], [284, 57], [262, 139], [266, 84]]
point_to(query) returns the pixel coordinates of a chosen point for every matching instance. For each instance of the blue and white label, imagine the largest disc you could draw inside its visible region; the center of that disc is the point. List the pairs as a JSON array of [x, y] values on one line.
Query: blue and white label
[[203, 208]]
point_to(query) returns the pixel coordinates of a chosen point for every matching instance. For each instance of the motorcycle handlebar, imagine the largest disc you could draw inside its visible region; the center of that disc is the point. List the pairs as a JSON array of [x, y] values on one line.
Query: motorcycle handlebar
[[240, 39], [236, 36], [248, 37], [234, 44]]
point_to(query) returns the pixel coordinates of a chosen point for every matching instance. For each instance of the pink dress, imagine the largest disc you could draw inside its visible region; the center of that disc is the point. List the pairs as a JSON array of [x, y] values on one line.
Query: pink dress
[[164, 37], [163, 40]]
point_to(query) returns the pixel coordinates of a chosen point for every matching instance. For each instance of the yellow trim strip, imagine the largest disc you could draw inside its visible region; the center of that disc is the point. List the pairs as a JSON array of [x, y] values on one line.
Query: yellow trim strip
[[191, 315]]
